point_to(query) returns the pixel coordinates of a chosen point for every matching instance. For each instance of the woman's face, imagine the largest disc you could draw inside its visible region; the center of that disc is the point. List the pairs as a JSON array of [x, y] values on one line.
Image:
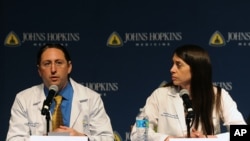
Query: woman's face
[[181, 73]]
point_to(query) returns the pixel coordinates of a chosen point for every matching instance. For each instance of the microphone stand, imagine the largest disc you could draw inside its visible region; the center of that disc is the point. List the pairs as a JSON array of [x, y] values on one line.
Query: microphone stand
[[48, 123], [189, 118], [47, 117]]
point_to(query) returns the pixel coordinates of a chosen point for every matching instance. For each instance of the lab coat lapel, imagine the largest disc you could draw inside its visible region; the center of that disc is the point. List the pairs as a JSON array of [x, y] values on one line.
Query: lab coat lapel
[[75, 112]]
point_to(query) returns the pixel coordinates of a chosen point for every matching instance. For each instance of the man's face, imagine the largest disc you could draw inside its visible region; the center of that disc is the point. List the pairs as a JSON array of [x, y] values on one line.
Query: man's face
[[54, 68]]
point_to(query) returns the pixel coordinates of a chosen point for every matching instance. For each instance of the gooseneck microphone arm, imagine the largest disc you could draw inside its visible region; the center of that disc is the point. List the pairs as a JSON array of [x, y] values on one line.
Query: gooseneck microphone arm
[[53, 89], [47, 117], [189, 120], [190, 112]]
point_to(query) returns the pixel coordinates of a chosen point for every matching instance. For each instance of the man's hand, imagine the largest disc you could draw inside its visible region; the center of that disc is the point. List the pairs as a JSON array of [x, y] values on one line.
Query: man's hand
[[71, 131]]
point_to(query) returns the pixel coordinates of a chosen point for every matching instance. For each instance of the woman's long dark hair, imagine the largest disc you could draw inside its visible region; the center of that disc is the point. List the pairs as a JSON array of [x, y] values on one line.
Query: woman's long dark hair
[[201, 87]]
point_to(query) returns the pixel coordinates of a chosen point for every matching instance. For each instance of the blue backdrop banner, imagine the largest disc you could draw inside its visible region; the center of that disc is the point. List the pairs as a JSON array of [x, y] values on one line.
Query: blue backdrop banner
[[123, 49]]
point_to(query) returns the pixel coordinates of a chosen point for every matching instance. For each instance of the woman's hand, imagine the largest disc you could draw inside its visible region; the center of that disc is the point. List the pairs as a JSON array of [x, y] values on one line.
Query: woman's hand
[[194, 134], [167, 139], [197, 134]]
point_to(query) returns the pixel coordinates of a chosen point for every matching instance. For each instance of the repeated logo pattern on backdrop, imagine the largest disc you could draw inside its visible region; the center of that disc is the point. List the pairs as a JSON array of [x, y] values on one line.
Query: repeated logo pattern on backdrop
[[125, 53]]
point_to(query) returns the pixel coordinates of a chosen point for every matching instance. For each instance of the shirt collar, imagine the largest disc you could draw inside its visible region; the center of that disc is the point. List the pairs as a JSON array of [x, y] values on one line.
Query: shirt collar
[[66, 92]]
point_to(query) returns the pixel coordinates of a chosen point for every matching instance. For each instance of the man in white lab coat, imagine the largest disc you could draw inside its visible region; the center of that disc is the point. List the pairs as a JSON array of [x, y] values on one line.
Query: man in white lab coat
[[82, 108]]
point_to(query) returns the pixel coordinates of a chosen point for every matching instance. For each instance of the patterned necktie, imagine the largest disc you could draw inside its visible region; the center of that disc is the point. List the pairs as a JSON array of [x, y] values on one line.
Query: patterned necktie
[[57, 119]]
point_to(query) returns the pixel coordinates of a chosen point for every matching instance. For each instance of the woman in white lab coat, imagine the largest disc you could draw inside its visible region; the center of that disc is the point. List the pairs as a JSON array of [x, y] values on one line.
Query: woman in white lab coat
[[210, 105]]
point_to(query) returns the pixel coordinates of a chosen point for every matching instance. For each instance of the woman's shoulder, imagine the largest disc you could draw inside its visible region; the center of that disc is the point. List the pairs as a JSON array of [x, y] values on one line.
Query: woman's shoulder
[[166, 90], [222, 93], [220, 90]]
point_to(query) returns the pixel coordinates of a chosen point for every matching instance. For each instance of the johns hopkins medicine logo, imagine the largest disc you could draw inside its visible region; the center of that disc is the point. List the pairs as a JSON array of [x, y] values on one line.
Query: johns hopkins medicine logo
[[238, 38], [12, 40], [39, 38], [143, 39], [217, 40]]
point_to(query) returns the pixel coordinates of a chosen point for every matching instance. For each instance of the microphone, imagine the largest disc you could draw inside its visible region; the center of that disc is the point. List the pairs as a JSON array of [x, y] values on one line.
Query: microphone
[[186, 100], [53, 89], [190, 112]]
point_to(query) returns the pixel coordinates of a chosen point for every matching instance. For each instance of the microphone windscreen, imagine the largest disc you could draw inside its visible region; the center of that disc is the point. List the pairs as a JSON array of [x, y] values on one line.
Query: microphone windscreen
[[184, 91], [54, 88]]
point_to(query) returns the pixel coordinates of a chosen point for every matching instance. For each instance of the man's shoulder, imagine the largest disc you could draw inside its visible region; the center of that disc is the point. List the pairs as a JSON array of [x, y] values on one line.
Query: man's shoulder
[[80, 89], [34, 90], [31, 96]]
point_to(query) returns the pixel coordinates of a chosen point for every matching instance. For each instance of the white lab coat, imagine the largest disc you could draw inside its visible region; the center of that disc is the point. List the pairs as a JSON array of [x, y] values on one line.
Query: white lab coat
[[165, 110], [88, 114]]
